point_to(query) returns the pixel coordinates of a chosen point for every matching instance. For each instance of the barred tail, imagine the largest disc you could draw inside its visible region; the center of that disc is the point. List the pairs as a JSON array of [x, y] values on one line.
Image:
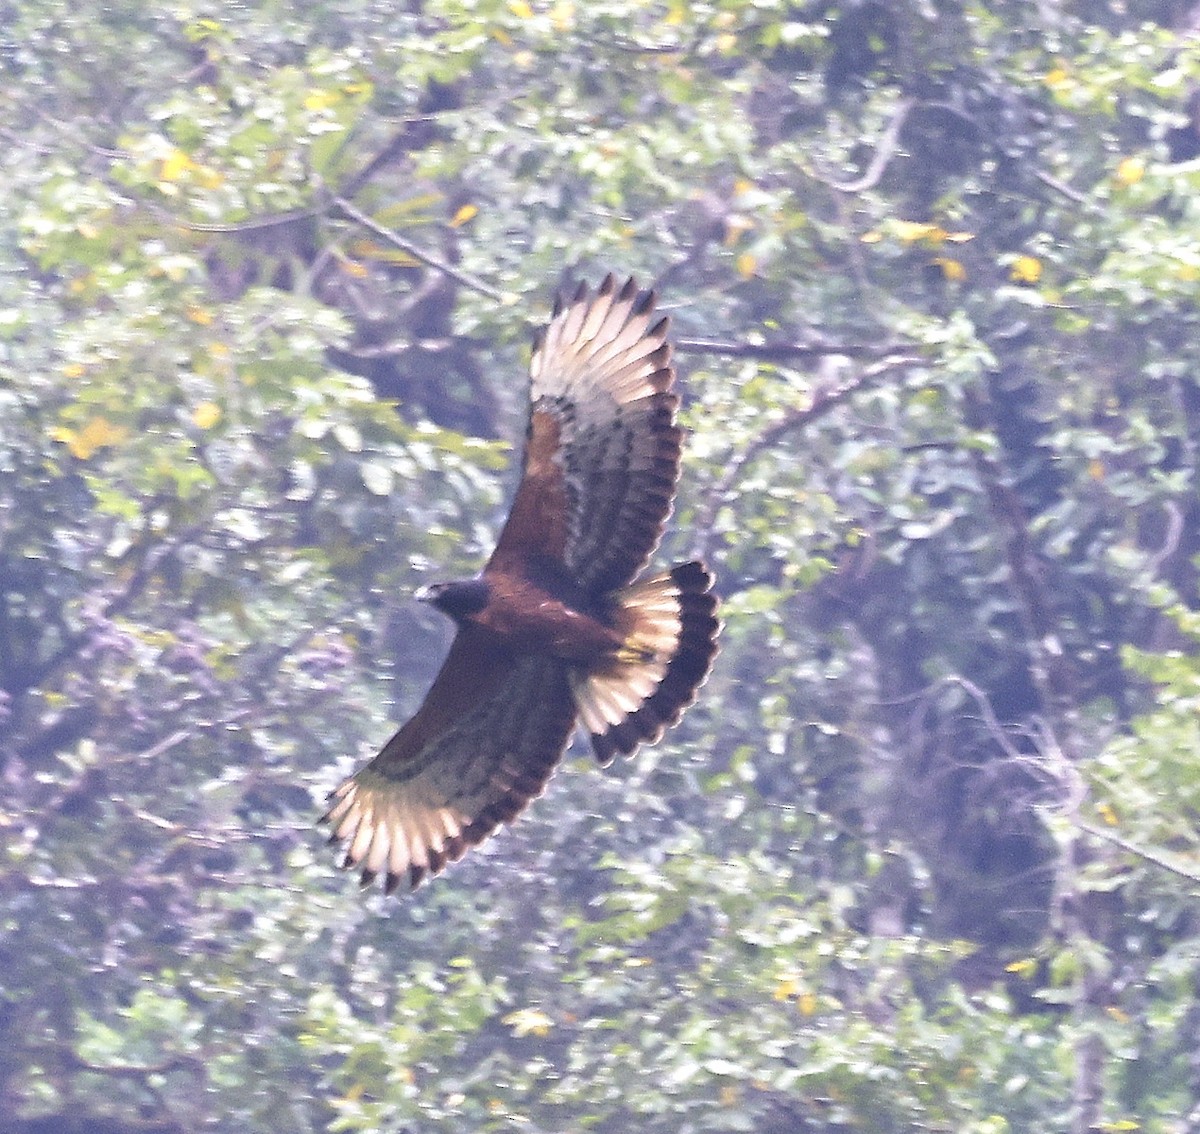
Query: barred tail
[[670, 627]]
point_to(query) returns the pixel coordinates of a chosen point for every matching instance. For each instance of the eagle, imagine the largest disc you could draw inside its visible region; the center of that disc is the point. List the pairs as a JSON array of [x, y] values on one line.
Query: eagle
[[557, 629]]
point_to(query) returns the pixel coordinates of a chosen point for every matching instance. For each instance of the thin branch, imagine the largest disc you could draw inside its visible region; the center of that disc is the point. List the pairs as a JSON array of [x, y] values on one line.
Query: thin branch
[[135, 1070], [1152, 857], [233, 228], [1060, 187], [887, 148], [783, 352], [1176, 521], [398, 346], [352, 212]]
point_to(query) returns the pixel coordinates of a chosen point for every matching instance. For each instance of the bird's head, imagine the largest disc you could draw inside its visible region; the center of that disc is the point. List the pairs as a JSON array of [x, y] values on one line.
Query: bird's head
[[460, 600]]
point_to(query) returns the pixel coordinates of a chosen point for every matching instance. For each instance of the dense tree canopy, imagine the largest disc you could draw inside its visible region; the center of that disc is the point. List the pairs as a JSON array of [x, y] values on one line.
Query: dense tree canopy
[[924, 856]]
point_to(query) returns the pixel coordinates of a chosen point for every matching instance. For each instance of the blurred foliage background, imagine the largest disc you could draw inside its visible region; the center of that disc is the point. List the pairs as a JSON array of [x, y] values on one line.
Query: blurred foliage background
[[925, 855]]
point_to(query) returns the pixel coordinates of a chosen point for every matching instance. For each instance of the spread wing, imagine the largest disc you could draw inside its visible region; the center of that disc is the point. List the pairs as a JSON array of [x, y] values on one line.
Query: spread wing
[[491, 730], [602, 452]]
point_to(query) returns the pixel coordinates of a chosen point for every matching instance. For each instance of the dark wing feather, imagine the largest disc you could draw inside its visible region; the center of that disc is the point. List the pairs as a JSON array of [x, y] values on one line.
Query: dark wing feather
[[489, 734], [602, 456]]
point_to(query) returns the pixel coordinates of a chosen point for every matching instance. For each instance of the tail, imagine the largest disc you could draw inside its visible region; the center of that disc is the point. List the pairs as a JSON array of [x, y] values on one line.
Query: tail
[[670, 639]]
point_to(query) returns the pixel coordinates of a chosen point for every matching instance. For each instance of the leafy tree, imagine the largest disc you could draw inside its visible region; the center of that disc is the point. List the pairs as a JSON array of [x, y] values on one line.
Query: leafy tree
[[922, 856]]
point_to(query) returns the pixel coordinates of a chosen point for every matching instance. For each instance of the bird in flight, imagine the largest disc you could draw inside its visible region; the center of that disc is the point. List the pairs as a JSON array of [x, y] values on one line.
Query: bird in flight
[[557, 628]]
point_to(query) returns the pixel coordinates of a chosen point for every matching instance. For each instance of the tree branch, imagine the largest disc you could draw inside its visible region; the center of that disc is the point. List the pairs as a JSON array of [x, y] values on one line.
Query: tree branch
[[784, 352], [1152, 857], [351, 212], [889, 144], [139, 1071]]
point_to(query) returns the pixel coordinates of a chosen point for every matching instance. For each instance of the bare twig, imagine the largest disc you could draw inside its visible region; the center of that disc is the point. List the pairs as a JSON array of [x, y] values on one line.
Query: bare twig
[[1152, 857], [255, 224], [783, 352], [1060, 187], [354, 213], [889, 144], [135, 1070]]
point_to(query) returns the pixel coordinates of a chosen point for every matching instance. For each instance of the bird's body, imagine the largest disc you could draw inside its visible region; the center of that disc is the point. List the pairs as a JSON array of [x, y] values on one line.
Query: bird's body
[[533, 611], [553, 630]]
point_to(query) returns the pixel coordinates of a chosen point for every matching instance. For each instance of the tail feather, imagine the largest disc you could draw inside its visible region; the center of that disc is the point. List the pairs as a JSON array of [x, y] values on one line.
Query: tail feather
[[670, 639]]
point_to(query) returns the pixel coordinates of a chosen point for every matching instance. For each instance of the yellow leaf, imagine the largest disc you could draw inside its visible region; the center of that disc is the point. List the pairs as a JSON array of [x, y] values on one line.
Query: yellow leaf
[[746, 265], [201, 316], [368, 250], [1106, 810], [528, 1022], [74, 370], [726, 43], [320, 100], [807, 1003], [736, 226], [206, 414], [1057, 78], [912, 231], [873, 237], [98, 433], [786, 988], [1026, 967], [1130, 172], [174, 166], [675, 14], [1026, 269], [520, 9], [952, 269], [355, 269], [562, 15]]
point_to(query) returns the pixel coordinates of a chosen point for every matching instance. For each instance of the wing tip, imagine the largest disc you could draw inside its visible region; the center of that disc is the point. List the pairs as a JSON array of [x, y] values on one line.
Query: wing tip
[[380, 841]]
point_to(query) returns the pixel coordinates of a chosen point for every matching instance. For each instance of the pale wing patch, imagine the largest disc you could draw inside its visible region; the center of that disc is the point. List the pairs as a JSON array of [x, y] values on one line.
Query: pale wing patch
[[422, 803], [388, 826], [603, 371], [670, 630], [651, 610], [601, 352]]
